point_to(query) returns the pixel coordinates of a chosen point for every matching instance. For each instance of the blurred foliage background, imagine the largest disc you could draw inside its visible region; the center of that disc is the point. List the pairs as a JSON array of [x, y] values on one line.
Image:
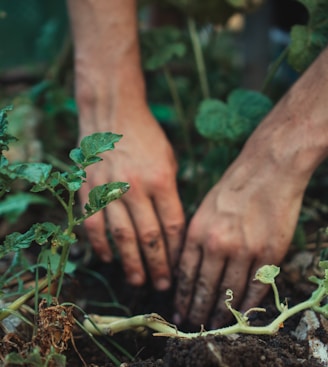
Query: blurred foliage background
[[236, 48]]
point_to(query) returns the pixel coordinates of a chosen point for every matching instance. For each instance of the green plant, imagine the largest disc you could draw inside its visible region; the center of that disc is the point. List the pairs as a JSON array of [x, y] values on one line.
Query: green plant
[[110, 325], [55, 240]]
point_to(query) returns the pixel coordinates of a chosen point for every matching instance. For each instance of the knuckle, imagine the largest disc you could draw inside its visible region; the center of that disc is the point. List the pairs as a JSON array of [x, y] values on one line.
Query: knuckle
[[174, 229], [150, 238], [122, 234], [162, 180]]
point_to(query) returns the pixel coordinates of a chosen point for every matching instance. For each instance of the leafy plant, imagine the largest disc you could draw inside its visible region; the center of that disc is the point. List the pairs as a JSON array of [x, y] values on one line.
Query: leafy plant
[[55, 240], [232, 122], [308, 40]]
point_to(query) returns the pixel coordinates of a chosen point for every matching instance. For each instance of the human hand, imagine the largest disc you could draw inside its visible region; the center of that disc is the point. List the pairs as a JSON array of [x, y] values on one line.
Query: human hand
[[247, 220], [148, 220]]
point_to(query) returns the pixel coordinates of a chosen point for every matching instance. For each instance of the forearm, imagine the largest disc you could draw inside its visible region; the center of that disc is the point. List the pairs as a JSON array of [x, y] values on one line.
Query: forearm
[[107, 61], [296, 131]]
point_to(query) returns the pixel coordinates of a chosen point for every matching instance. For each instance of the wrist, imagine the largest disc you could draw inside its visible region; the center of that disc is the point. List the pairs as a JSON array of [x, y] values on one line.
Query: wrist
[[103, 98]]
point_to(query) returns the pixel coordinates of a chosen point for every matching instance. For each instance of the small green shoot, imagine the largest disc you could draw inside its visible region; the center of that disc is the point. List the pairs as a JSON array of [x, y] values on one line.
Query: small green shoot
[[55, 240], [106, 325]]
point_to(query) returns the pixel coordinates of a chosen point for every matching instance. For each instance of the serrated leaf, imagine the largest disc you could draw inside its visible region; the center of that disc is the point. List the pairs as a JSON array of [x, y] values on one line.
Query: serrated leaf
[[309, 40], [17, 241], [232, 122], [159, 46], [98, 143], [101, 196], [93, 145]]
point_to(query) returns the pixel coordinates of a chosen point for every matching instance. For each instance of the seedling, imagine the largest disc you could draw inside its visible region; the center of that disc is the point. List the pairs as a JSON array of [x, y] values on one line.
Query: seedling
[[266, 274], [55, 240]]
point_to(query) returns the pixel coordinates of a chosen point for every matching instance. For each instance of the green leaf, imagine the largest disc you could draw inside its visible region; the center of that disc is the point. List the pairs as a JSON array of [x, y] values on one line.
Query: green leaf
[[93, 145], [44, 231], [32, 172], [15, 205], [161, 45], [40, 233], [309, 40], [17, 241], [232, 122], [267, 274], [47, 258], [101, 196]]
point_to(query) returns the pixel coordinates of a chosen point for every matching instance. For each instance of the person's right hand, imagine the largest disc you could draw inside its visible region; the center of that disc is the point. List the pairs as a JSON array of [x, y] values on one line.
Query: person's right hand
[[148, 221]]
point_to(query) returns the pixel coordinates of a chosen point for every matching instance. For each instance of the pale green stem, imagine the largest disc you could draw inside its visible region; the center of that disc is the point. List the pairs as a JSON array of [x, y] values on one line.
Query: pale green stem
[[15, 305], [277, 297], [163, 328], [66, 246], [199, 57]]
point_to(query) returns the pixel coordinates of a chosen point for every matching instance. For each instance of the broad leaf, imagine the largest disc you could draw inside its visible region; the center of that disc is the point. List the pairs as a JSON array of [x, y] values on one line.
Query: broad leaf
[[309, 40], [232, 122], [101, 196], [36, 173], [48, 258]]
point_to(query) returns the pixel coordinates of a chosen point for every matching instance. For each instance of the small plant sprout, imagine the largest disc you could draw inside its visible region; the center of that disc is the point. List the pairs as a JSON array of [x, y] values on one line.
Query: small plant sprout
[[63, 186], [266, 274]]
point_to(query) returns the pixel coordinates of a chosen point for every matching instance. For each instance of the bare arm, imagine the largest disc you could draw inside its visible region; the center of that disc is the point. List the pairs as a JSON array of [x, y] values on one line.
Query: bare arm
[[249, 217], [110, 93]]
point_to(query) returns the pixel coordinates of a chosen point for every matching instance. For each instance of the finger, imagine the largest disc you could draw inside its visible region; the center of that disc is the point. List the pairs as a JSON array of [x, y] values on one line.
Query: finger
[[206, 286], [235, 278], [151, 241], [170, 212], [188, 270], [96, 230], [124, 236]]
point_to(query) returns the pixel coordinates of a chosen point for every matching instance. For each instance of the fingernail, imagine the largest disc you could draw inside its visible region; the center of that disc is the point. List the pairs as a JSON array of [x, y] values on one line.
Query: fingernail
[[162, 284], [177, 318], [136, 279]]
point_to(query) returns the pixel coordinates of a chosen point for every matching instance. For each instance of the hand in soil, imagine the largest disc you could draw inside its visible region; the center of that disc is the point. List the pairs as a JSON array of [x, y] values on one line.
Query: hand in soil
[[110, 93], [248, 218], [149, 217]]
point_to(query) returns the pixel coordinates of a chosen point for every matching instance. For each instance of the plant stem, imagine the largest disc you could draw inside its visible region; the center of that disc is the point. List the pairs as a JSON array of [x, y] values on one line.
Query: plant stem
[[180, 112], [199, 57], [67, 245], [15, 305], [273, 69], [163, 328], [279, 307]]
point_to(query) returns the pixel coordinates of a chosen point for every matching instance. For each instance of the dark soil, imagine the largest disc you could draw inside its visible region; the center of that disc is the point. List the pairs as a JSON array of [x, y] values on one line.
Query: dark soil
[[282, 349], [90, 290]]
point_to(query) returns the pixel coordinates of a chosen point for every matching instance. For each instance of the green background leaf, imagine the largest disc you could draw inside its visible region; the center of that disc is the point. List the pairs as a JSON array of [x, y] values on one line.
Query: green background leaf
[[309, 40], [232, 122]]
